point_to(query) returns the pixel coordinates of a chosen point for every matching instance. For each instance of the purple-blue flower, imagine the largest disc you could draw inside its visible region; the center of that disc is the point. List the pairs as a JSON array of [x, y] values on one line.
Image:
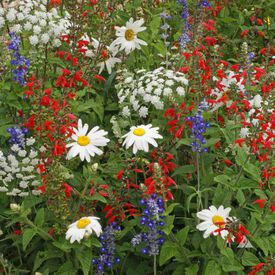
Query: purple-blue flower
[[18, 60], [198, 128], [185, 37], [152, 221], [205, 4], [18, 135], [107, 257]]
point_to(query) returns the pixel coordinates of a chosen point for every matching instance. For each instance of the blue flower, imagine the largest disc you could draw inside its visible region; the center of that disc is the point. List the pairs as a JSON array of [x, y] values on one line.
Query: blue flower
[[18, 135], [152, 221], [107, 257], [205, 4], [18, 60], [198, 128], [185, 37]]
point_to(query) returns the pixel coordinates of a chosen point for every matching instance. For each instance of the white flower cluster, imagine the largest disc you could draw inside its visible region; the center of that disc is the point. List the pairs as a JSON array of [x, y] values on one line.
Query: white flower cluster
[[32, 16], [148, 89], [18, 174]]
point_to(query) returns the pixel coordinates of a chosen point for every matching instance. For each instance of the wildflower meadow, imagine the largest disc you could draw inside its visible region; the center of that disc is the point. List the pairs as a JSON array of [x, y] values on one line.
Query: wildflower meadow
[[137, 137]]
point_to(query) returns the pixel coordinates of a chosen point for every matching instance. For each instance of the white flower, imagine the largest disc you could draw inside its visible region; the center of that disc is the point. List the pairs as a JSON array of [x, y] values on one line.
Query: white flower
[[257, 101], [33, 40], [127, 36], [36, 30], [108, 55], [27, 26], [143, 111], [11, 15], [213, 219], [22, 153], [83, 227], [180, 91], [140, 137], [125, 111], [244, 132], [45, 38], [86, 144]]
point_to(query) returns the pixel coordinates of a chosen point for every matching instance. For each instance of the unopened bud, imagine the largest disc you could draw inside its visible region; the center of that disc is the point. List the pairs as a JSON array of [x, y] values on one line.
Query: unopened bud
[[15, 207]]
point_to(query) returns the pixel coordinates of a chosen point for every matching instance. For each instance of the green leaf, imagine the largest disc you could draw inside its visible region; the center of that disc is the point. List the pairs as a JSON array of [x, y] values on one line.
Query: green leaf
[[28, 234], [192, 270], [184, 170], [85, 259], [182, 235], [40, 217], [169, 224], [249, 259], [168, 251], [170, 208], [212, 268], [96, 197], [67, 268]]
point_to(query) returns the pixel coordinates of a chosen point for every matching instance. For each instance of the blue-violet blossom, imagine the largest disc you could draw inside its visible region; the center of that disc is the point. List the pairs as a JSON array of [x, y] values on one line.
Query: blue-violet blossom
[[18, 60], [152, 221], [107, 257]]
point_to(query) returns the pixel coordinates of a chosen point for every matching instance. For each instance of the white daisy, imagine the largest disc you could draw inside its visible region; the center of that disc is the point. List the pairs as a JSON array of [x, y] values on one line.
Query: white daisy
[[86, 144], [108, 56], [127, 36], [213, 219], [83, 227], [140, 137]]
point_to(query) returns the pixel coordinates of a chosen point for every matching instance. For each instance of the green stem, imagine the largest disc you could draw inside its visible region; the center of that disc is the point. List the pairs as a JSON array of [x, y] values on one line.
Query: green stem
[[155, 264], [199, 202]]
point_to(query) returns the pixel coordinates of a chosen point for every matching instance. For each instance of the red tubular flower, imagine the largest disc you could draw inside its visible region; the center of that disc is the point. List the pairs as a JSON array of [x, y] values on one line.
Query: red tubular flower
[[68, 190], [260, 202], [244, 33]]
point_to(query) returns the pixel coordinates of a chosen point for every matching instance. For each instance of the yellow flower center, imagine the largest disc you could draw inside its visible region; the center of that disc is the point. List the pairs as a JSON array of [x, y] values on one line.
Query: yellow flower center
[[218, 221], [83, 140], [139, 132], [129, 35], [82, 223]]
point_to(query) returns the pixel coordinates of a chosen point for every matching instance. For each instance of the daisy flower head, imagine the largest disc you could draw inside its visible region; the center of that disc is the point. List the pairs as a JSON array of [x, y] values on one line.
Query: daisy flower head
[[83, 227], [127, 36], [86, 145], [214, 220], [140, 137]]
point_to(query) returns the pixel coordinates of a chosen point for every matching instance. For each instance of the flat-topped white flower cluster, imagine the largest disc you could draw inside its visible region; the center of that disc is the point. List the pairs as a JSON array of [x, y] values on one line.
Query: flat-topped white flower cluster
[[43, 27], [18, 176], [137, 93]]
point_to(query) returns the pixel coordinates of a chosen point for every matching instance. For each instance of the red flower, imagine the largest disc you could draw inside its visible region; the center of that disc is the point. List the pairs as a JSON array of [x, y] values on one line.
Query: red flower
[[68, 190], [244, 33], [260, 202]]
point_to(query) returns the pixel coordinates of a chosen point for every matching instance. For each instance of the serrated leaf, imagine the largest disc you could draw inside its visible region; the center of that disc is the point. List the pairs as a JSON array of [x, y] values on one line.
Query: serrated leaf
[[85, 259], [182, 235], [168, 251], [249, 259], [192, 270], [212, 268]]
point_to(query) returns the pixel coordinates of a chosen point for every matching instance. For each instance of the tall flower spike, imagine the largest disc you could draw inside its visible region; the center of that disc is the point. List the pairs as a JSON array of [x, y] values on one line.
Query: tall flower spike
[[19, 61], [185, 37], [198, 128], [107, 257], [152, 221]]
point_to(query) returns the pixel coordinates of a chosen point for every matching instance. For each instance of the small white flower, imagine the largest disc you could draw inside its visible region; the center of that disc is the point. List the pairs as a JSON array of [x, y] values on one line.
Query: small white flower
[[169, 82], [22, 153], [83, 227], [143, 111], [45, 38], [244, 132], [125, 111], [140, 137], [213, 219], [86, 145], [33, 40], [127, 36], [180, 91], [36, 29], [11, 15], [28, 26]]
